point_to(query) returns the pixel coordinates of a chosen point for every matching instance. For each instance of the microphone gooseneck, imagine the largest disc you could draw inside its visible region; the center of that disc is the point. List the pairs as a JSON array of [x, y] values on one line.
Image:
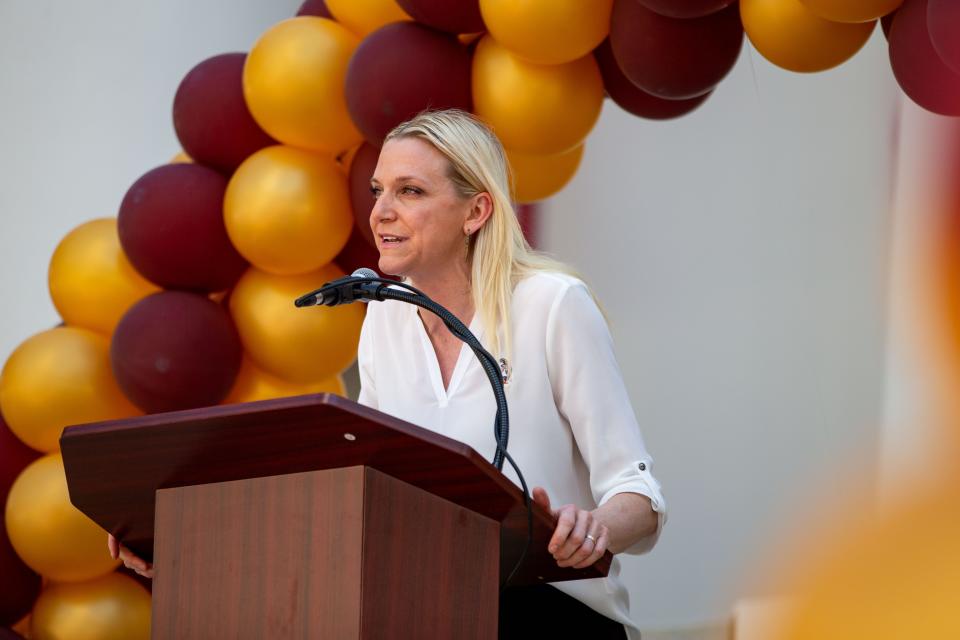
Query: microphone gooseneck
[[365, 284]]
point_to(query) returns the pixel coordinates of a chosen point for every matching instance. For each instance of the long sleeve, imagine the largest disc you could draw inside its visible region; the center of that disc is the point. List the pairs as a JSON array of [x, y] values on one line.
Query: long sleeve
[[590, 393]]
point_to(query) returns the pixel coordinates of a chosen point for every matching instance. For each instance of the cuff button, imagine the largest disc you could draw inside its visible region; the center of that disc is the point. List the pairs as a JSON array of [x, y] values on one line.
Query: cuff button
[[642, 466]]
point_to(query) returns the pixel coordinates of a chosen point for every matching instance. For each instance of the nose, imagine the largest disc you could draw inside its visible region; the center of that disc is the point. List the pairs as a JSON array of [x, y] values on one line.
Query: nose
[[382, 211]]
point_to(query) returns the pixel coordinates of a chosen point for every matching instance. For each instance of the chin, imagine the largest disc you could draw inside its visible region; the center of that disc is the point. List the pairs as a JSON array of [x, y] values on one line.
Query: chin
[[390, 267]]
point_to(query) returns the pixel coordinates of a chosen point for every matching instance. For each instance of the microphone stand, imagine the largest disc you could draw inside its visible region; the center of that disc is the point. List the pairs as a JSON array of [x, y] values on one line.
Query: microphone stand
[[375, 288]]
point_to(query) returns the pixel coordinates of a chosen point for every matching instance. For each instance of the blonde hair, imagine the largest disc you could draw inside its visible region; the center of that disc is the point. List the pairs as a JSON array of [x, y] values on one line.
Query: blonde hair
[[501, 256]]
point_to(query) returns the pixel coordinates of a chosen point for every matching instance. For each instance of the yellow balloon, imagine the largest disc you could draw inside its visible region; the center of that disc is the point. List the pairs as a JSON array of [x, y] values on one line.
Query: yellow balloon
[[293, 83], [287, 211], [113, 607], [852, 10], [548, 31], [790, 36], [254, 384], [536, 108], [366, 16], [536, 177], [889, 579], [92, 283], [49, 534], [300, 345], [181, 158], [23, 626], [58, 378]]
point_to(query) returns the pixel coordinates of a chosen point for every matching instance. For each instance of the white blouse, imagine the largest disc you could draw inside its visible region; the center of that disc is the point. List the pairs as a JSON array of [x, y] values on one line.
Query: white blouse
[[572, 429]]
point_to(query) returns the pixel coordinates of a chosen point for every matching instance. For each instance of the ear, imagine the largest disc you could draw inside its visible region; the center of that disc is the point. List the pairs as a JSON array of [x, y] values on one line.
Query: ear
[[481, 208]]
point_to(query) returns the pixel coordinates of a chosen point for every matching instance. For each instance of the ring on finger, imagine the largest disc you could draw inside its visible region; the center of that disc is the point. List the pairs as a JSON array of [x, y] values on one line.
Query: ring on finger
[[591, 539]]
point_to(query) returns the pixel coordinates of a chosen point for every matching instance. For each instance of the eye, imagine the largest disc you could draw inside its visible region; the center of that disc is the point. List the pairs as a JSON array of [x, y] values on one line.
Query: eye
[[375, 191], [411, 190]]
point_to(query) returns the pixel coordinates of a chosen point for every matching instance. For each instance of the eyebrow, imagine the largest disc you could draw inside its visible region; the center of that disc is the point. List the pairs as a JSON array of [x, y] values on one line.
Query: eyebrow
[[401, 179]]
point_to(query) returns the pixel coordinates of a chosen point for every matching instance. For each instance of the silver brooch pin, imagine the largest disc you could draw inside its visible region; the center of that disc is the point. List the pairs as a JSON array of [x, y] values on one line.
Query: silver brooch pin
[[505, 370]]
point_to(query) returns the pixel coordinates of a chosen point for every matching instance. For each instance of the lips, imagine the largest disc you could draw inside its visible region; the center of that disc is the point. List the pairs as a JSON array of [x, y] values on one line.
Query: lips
[[390, 240]]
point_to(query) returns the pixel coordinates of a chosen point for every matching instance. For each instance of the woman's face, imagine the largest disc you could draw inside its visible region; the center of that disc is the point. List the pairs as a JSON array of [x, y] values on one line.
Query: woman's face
[[418, 219]]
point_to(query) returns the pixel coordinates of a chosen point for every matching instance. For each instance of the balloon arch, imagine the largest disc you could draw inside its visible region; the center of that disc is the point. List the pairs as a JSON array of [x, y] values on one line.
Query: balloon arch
[[184, 299]]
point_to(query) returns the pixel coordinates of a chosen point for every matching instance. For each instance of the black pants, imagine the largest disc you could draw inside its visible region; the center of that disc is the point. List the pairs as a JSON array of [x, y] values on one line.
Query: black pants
[[540, 611]]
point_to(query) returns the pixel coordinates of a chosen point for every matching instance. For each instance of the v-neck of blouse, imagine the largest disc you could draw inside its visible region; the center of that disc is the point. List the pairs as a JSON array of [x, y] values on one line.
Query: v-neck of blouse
[[464, 358]]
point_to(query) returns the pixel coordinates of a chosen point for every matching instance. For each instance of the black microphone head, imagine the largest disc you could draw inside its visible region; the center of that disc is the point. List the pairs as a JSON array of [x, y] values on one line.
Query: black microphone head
[[364, 272]]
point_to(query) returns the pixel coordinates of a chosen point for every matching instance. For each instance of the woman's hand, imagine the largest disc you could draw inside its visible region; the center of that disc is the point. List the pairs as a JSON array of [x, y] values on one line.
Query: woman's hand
[[579, 539], [130, 561]]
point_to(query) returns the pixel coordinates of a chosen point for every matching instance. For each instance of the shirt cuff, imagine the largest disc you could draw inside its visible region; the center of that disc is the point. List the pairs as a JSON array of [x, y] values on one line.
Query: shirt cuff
[[640, 480]]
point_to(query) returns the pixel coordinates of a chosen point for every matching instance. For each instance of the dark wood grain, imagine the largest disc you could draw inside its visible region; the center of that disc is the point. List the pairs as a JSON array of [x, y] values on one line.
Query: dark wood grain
[[114, 468], [277, 557], [430, 567]]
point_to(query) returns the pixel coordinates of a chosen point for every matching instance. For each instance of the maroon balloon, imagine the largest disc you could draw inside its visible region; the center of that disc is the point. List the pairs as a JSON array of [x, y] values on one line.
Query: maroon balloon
[[9, 634], [401, 69], [316, 8], [19, 585], [211, 117], [175, 350], [357, 253], [632, 98], [943, 21], [14, 457], [918, 68], [671, 58], [886, 22], [361, 200], [454, 16], [171, 227], [686, 8]]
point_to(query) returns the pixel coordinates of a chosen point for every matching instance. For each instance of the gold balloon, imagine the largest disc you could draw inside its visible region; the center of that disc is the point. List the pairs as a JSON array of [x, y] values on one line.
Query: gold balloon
[[23, 626], [889, 579], [287, 210], [536, 177], [58, 378], [293, 83], [49, 534], [92, 283], [548, 31], [852, 10], [255, 384], [536, 108], [366, 16], [181, 158], [113, 607], [300, 345], [791, 36]]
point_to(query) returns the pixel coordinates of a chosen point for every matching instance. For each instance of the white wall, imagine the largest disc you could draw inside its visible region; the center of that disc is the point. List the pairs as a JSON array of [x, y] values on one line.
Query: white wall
[[741, 255], [739, 251]]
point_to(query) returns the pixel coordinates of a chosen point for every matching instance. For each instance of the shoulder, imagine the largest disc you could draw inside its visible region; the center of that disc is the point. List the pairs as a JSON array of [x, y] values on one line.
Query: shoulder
[[550, 284], [547, 289]]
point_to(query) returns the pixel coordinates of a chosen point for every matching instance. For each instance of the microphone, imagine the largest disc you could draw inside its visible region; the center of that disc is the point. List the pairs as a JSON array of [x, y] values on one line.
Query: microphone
[[356, 286]]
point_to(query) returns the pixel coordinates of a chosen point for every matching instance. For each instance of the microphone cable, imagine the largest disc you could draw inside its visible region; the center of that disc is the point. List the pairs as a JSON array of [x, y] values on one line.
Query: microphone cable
[[383, 290]]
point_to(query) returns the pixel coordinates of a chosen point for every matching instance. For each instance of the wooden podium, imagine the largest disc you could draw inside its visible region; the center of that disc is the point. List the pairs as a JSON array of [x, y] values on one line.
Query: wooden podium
[[309, 517]]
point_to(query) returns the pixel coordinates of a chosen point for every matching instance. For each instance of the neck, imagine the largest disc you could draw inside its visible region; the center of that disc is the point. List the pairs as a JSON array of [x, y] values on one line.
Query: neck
[[449, 288]]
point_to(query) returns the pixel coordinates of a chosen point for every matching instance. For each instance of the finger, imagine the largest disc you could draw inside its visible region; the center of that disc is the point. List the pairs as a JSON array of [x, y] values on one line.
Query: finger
[[541, 498], [586, 549], [113, 546], [132, 561], [577, 535], [598, 550], [566, 519]]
